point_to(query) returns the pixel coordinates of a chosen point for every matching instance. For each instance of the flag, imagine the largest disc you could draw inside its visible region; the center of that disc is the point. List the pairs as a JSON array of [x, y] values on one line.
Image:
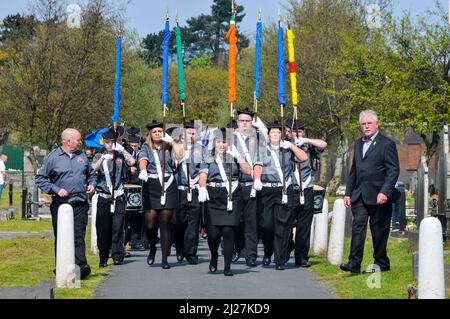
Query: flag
[[231, 36], [258, 60], [117, 96], [95, 138], [292, 68], [165, 82], [281, 68]]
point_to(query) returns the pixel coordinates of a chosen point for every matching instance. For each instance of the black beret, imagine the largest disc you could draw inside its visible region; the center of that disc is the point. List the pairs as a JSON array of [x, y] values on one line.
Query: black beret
[[246, 111], [235, 126], [134, 130], [134, 139], [154, 124], [109, 135], [300, 125], [275, 124], [220, 133]]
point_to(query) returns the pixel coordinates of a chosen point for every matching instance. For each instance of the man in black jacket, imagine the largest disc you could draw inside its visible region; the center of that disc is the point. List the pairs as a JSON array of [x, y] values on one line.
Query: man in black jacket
[[370, 191]]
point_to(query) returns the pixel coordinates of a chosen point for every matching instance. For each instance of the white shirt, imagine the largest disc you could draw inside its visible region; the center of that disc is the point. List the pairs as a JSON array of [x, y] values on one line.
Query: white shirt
[[366, 145], [2, 171]]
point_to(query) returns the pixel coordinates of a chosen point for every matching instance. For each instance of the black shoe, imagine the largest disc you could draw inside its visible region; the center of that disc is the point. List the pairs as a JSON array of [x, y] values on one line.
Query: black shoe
[[85, 271], [103, 264], [228, 272], [165, 265], [236, 256], [266, 261], [279, 267], [377, 269], [151, 258], [180, 256], [213, 265], [118, 262], [305, 264], [250, 262], [353, 270], [192, 260]]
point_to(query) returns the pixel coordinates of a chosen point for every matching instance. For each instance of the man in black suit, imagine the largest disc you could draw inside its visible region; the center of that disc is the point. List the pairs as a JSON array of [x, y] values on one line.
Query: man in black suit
[[370, 191]]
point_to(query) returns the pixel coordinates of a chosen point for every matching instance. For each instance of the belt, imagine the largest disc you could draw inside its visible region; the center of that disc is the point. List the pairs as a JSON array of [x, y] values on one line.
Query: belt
[[272, 184], [246, 184], [108, 196], [155, 176], [185, 188], [296, 187], [213, 184]]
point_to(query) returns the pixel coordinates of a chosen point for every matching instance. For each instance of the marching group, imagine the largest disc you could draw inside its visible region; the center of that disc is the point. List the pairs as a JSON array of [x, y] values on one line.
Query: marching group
[[248, 184]]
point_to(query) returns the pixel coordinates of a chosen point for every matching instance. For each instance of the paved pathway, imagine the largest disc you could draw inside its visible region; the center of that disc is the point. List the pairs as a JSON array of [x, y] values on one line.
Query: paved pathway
[[136, 280]]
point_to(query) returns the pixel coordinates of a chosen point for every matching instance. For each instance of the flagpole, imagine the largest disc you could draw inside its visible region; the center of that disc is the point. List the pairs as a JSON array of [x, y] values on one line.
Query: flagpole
[[116, 116], [165, 101], [293, 75], [231, 35], [282, 97]]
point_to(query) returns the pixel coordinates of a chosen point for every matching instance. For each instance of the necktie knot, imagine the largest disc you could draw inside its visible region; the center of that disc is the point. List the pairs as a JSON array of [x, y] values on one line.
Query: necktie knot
[[367, 139]]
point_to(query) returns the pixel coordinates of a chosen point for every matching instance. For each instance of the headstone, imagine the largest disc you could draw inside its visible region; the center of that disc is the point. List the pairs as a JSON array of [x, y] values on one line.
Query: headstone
[[443, 182], [421, 194]]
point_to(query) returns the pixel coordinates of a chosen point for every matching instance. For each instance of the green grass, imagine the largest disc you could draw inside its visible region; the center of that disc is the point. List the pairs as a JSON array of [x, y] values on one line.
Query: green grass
[[28, 261], [17, 198], [393, 283], [19, 225]]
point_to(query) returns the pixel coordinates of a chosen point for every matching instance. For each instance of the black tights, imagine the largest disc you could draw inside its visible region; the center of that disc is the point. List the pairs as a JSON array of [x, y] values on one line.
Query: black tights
[[161, 219], [214, 235]]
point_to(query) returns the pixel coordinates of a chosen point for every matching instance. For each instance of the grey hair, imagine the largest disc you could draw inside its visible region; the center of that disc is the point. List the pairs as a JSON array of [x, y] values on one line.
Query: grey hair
[[68, 134], [368, 113]]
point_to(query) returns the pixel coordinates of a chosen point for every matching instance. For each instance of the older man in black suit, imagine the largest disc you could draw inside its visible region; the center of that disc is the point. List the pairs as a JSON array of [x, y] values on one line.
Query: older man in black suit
[[370, 191]]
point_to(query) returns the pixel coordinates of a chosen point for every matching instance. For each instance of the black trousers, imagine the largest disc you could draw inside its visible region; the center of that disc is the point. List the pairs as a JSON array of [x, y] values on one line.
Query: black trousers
[[246, 234], [215, 233], [111, 229], [80, 216], [305, 215], [187, 224], [276, 223], [136, 228], [379, 217]]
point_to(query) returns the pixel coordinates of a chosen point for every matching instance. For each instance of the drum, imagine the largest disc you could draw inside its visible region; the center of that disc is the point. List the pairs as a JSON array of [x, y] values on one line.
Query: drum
[[133, 194], [319, 196]]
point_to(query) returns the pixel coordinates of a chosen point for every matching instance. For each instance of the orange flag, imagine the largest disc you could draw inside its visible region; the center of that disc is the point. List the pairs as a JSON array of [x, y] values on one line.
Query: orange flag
[[231, 35]]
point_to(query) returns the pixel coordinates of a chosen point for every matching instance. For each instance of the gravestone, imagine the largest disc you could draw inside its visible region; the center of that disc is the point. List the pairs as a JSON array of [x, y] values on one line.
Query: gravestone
[[443, 181], [421, 194]]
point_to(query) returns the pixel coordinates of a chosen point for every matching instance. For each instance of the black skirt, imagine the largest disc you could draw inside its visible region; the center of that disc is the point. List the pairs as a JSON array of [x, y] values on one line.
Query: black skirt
[[216, 212], [151, 193]]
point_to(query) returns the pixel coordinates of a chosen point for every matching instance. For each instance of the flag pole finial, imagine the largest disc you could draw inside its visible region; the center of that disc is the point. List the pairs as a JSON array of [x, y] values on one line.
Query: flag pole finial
[[259, 14]]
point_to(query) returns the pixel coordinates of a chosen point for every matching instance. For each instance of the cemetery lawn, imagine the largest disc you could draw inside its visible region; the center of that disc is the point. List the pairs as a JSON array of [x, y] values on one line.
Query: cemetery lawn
[[26, 262], [19, 225], [393, 284]]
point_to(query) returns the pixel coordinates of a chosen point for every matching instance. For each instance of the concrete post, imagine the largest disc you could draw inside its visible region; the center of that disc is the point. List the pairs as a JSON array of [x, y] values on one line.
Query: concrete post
[[337, 233], [321, 231], [94, 248], [65, 248], [431, 260], [313, 229]]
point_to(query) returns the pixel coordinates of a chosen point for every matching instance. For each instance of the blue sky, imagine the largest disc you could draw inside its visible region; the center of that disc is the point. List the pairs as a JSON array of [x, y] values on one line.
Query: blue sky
[[147, 16]]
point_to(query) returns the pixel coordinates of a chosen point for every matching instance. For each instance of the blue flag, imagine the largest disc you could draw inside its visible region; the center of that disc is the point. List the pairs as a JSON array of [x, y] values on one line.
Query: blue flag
[[95, 138]]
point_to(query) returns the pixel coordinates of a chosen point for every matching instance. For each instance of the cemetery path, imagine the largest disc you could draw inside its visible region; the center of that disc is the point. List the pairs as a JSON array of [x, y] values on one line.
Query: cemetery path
[[136, 280]]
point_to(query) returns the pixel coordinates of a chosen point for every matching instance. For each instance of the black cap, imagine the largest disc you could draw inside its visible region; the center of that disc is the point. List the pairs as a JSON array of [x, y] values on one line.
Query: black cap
[[275, 124], [134, 139], [134, 130], [170, 130], [299, 125], [235, 126], [220, 133], [246, 111], [120, 131], [154, 124], [109, 135], [190, 124]]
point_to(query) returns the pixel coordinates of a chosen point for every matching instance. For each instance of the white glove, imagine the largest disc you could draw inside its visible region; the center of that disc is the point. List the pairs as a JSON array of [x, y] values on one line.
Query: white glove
[[167, 138], [300, 141], [286, 145], [203, 195], [257, 185], [117, 147], [107, 157], [143, 176], [259, 124], [234, 152]]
